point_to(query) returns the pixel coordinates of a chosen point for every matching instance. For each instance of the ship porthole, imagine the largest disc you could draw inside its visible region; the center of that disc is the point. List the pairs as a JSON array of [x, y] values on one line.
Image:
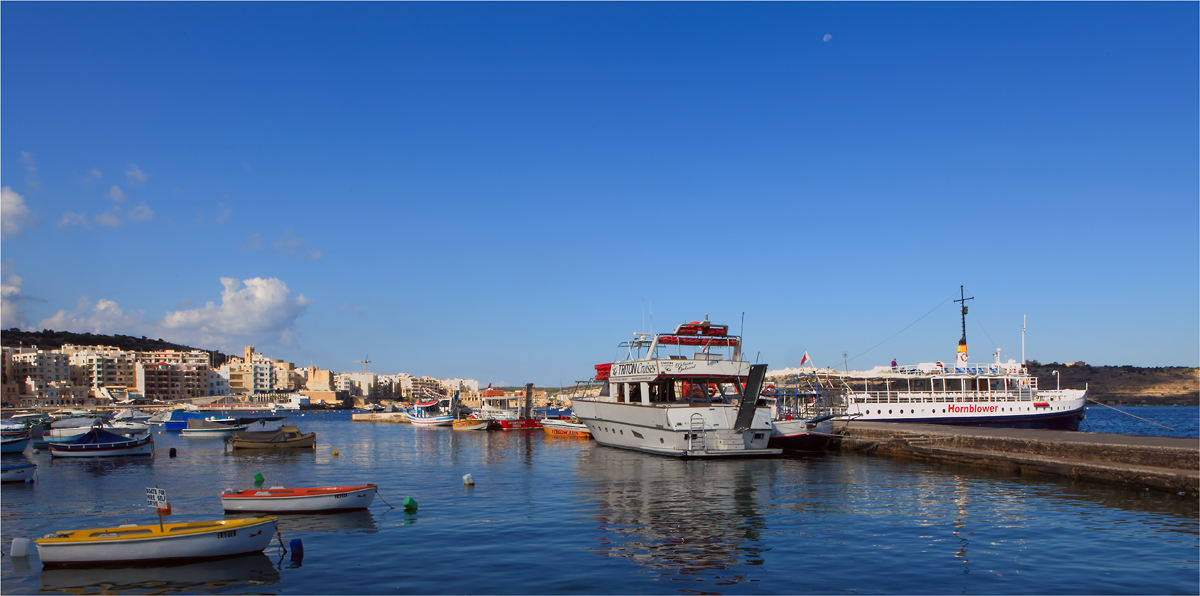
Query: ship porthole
[[660, 440], [889, 411], [622, 432]]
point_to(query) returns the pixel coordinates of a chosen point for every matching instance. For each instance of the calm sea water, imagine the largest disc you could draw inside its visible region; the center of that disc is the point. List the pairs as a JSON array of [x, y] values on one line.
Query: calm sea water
[[552, 515]]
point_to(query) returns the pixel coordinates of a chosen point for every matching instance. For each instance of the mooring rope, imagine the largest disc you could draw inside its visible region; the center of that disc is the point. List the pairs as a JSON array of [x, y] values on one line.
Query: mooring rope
[[381, 499], [1128, 414]]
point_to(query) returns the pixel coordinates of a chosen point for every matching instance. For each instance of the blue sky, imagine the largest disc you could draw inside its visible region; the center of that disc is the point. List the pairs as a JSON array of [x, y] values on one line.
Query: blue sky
[[500, 191]]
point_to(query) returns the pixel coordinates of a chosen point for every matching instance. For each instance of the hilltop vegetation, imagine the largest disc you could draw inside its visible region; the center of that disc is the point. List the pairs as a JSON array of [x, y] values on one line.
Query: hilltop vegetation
[[49, 339], [1128, 385]]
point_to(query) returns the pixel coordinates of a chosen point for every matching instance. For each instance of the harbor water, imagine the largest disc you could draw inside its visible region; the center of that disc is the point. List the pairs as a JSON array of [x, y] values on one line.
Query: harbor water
[[564, 515]]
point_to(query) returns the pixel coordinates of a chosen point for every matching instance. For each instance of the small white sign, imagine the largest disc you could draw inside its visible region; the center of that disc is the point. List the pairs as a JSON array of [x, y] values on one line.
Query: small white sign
[[156, 497]]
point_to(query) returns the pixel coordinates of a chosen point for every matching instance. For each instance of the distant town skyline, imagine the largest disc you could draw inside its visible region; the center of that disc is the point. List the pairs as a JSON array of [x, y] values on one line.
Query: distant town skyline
[[504, 192]]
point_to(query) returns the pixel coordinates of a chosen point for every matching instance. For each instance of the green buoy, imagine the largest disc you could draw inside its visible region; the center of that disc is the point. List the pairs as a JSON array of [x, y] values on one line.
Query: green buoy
[[410, 505], [258, 479]]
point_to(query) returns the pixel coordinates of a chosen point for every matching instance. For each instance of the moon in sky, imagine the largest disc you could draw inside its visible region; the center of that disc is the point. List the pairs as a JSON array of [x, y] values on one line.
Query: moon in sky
[[827, 37]]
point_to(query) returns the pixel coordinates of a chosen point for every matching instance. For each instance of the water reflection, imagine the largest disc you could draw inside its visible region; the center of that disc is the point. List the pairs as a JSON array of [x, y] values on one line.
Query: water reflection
[[245, 572], [679, 517], [102, 466], [350, 522]]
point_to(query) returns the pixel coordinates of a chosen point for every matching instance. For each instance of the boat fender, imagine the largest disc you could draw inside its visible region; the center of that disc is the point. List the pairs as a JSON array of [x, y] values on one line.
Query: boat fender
[[410, 505], [29, 480], [160, 432], [335, 452], [258, 479], [171, 453], [468, 480], [297, 548], [20, 547]]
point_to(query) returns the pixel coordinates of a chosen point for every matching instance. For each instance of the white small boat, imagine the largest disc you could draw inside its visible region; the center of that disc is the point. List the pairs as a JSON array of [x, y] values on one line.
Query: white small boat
[[170, 542], [101, 443], [209, 428], [17, 472], [278, 499]]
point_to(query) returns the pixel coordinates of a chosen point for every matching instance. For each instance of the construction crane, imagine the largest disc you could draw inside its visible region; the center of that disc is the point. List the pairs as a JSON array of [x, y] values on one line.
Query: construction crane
[[365, 363]]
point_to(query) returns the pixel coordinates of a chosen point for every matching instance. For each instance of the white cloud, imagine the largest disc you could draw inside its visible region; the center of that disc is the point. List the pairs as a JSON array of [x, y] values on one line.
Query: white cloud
[[135, 175], [115, 193], [108, 219], [223, 212], [106, 317], [13, 212], [94, 174], [289, 243], [254, 242], [262, 311], [11, 313], [827, 37], [141, 213], [71, 218], [30, 166]]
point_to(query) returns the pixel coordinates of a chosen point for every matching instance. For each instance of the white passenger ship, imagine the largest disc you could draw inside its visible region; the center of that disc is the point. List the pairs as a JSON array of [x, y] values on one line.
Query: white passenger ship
[[963, 393], [683, 405]]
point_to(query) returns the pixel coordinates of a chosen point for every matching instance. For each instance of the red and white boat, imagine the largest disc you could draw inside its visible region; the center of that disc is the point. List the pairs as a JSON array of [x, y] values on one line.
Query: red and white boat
[[505, 412], [278, 499]]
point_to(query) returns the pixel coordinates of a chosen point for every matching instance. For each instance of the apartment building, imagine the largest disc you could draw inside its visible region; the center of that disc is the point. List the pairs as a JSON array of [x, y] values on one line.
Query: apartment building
[[102, 366], [173, 381]]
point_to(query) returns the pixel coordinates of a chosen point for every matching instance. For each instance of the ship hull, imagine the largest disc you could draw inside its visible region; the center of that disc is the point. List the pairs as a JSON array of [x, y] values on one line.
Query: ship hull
[[676, 430], [796, 435]]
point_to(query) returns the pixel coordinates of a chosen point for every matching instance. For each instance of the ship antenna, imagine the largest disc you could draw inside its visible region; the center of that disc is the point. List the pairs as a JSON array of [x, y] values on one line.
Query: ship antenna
[[962, 343], [1023, 340]]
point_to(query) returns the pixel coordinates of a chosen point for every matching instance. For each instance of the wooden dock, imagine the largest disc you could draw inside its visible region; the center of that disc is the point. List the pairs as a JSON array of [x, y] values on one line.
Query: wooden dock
[[1164, 463]]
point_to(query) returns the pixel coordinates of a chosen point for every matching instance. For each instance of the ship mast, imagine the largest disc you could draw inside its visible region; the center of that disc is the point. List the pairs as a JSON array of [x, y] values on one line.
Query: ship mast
[[962, 343]]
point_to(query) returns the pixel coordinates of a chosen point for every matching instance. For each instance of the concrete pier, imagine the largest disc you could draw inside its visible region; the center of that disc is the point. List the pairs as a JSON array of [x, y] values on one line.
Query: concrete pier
[[1163, 463], [380, 417]]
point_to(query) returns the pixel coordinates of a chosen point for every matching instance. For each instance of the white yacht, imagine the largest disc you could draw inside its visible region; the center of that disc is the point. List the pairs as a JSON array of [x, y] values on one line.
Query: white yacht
[[677, 404]]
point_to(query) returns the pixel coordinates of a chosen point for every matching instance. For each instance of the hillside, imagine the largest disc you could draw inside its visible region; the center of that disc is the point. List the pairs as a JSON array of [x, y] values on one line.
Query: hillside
[[1129, 385], [49, 339]]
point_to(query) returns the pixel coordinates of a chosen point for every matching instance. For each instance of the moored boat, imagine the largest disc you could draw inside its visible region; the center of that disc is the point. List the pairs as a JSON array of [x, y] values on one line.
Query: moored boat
[[100, 443], [14, 442], [287, 437], [17, 472], [566, 428], [278, 499], [168, 542], [471, 424], [209, 428], [683, 405], [998, 394], [435, 412]]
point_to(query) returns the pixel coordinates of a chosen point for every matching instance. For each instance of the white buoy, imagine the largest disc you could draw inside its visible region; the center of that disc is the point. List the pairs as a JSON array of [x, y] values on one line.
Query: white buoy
[[20, 547], [467, 480]]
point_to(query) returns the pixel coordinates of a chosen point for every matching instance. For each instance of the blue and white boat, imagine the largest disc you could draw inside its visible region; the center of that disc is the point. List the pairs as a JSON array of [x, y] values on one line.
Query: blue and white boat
[[434, 412], [17, 472], [178, 419], [101, 443], [14, 438]]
